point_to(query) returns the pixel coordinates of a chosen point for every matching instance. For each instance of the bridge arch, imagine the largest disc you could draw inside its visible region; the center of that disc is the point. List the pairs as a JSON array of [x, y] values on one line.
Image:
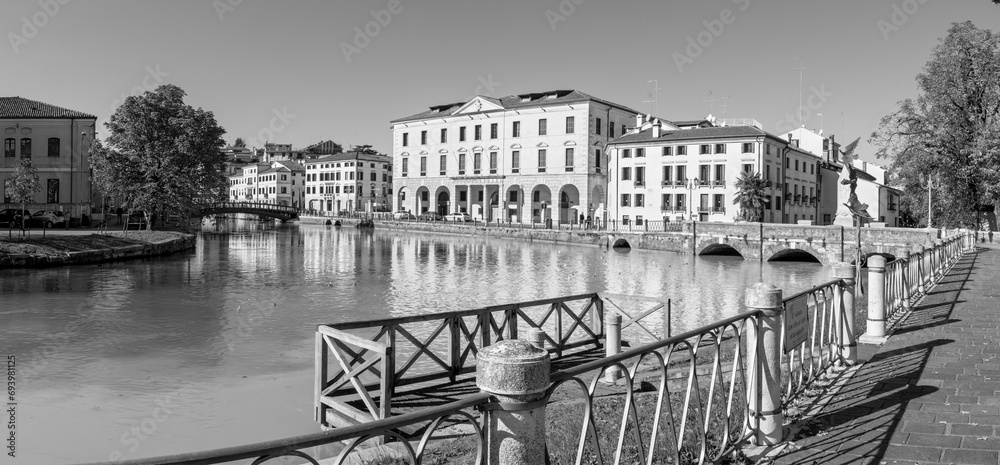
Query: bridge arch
[[721, 249], [620, 244], [795, 255]]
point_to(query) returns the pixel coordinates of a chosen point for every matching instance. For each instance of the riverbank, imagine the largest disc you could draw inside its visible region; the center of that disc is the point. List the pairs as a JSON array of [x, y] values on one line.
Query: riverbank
[[73, 247]]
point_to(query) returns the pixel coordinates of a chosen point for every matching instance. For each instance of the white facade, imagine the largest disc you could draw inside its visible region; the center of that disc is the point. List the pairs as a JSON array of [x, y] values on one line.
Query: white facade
[[522, 158], [671, 174], [349, 182], [279, 183]]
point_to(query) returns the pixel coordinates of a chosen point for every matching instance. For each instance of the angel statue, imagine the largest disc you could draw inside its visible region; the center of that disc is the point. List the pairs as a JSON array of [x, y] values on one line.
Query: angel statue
[[857, 208]]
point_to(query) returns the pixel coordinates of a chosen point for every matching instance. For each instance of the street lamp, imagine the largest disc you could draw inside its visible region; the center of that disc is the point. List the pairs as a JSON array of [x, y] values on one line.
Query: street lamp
[[692, 185]]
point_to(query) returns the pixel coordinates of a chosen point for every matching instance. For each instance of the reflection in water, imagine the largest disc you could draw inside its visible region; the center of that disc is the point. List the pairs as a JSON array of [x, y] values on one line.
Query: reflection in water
[[224, 334]]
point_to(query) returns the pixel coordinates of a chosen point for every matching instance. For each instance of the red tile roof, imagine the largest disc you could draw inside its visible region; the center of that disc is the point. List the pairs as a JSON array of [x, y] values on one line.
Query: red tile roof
[[17, 107]]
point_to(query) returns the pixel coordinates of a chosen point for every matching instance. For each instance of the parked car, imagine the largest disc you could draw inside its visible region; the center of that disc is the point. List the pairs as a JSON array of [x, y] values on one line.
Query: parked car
[[430, 216], [460, 217], [47, 219], [11, 217], [403, 216]]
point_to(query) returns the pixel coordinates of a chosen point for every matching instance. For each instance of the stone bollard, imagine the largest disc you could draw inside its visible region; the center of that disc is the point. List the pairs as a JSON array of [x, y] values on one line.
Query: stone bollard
[[516, 374], [921, 269], [845, 314], [876, 301], [764, 395], [537, 338], [612, 343]]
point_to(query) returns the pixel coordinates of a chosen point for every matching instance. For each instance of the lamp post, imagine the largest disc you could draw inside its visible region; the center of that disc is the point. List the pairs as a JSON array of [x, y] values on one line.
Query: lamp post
[[692, 185]]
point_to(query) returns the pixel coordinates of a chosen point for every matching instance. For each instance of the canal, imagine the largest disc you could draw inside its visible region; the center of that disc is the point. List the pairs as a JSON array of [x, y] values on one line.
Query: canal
[[214, 347]]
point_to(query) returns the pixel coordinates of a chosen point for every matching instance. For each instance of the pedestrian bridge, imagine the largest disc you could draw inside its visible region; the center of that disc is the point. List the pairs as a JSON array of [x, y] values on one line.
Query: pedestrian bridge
[[767, 242], [264, 210]]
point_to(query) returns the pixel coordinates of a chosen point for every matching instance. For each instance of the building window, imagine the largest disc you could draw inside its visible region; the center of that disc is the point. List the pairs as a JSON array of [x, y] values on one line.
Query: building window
[[477, 162], [461, 163], [536, 196], [797, 165], [541, 160], [611, 129], [681, 175], [626, 174], [570, 124], [704, 149], [25, 148], [680, 204], [569, 159], [423, 166], [461, 134], [812, 169], [703, 173], [462, 195], [597, 160], [8, 147], [625, 199], [682, 150], [444, 164], [720, 203], [665, 202], [53, 146], [479, 132], [406, 139], [720, 175], [666, 175], [543, 127], [493, 131], [517, 129], [444, 135], [668, 151], [598, 126], [640, 175], [423, 137], [788, 162], [52, 191], [627, 153], [640, 152], [747, 147], [720, 148], [748, 168], [493, 163], [640, 200], [515, 161]]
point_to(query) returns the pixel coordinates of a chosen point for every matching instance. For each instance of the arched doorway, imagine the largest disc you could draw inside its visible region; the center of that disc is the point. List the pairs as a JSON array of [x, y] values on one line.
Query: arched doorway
[[423, 200], [569, 204], [401, 200], [442, 203], [541, 204]]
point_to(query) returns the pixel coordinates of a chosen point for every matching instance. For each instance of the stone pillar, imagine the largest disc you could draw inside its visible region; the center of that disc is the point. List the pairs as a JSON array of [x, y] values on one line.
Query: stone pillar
[[844, 316], [537, 338], [764, 393], [876, 301], [921, 269], [940, 258], [516, 374], [613, 343]]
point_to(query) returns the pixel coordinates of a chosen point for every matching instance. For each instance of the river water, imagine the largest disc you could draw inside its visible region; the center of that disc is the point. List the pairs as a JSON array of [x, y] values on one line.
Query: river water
[[214, 347]]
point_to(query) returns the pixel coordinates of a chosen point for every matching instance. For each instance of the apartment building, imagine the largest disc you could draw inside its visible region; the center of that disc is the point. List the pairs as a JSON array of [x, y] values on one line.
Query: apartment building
[[522, 158], [279, 183], [687, 171], [349, 182]]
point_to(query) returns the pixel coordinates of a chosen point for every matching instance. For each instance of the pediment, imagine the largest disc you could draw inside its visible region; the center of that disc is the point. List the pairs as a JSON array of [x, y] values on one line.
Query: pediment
[[462, 150], [569, 143], [477, 149], [542, 145], [477, 105], [443, 151], [423, 152], [493, 147], [515, 146], [405, 154]]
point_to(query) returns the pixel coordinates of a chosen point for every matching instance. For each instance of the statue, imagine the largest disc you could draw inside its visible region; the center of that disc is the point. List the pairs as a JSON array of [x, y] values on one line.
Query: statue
[[849, 179]]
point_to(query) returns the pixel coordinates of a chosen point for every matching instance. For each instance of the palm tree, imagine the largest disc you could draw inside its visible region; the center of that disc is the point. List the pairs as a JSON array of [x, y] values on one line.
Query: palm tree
[[751, 196], [239, 142]]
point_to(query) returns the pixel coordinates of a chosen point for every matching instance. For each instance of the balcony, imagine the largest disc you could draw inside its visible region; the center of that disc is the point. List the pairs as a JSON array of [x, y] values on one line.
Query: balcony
[[719, 210], [704, 209], [719, 182], [679, 183], [640, 183], [668, 183], [703, 182], [461, 172]]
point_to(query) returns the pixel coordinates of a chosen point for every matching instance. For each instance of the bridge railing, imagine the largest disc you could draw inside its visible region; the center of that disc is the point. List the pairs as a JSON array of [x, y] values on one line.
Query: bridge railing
[[251, 206], [819, 349], [906, 279]]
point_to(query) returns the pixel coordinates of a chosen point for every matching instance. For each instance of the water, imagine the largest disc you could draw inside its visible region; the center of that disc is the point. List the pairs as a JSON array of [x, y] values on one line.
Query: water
[[214, 347]]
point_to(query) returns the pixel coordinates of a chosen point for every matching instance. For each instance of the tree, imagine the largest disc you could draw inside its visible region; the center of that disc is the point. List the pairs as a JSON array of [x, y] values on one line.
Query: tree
[[239, 142], [751, 196], [162, 156], [365, 149], [23, 185], [951, 131]]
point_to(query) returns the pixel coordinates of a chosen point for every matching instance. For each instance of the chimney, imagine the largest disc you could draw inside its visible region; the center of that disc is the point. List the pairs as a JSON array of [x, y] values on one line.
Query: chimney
[[656, 128], [638, 121]]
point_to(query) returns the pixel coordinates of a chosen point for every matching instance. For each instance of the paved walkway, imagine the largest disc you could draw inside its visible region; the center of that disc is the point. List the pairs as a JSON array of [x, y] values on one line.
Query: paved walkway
[[930, 394]]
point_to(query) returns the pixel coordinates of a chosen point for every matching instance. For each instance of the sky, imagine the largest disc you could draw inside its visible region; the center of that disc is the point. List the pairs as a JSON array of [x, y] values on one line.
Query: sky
[[302, 71]]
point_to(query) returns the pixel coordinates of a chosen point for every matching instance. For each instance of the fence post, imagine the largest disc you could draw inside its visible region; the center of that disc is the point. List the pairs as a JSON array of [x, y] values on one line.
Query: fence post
[[876, 301], [939, 259], [613, 343], [764, 344], [516, 374], [537, 338], [845, 312]]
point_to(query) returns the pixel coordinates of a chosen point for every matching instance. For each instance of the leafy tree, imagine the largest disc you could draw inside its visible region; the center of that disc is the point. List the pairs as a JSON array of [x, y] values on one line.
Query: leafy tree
[[162, 155], [365, 149], [239, 142], [23, 185], [751, 196], [951, 131]]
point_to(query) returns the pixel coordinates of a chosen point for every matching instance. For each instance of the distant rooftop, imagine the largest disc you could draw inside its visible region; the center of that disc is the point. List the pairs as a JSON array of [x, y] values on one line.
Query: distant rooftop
[[18, 107], [515, 101]]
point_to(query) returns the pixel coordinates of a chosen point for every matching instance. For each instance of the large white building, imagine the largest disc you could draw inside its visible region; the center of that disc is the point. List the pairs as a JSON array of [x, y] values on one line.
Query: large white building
[[279, 183], [679, 171], [349, 182], [522, 158]]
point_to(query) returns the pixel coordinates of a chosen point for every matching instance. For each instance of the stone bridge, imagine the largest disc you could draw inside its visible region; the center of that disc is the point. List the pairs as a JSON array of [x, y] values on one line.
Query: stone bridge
[[264, 210], [767, 241]]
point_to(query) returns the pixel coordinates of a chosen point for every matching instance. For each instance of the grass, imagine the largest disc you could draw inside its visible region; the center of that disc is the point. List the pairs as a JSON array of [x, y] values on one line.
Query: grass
[[56, 244]]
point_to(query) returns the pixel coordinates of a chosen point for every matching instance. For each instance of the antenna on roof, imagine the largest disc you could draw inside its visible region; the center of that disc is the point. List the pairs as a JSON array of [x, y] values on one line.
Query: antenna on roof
[[653, 95], [801, 69], [711, 102]]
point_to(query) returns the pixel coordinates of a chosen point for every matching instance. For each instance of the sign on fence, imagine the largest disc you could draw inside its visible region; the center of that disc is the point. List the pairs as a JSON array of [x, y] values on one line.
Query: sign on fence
[[796, 323]]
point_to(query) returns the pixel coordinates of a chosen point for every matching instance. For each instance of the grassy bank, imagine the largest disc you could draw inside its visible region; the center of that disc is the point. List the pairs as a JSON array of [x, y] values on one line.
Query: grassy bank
[[56, 243]]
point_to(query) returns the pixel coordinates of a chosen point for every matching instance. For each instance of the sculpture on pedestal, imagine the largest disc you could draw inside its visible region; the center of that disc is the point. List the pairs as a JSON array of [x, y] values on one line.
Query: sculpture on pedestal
[[853, 208]]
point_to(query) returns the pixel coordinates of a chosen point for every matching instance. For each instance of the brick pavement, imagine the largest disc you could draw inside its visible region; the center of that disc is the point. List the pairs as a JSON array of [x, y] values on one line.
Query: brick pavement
[[929, 395]]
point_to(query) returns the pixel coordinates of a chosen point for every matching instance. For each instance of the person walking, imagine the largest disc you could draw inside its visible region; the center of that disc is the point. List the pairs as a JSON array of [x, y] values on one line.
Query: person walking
[[991, 236], [119, 212]]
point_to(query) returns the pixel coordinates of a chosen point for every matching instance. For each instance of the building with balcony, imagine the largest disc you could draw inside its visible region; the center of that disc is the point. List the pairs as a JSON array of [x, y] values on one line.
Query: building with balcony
[[349, 182], [58, 142], [670, 171], [279, 183], [521, 158]]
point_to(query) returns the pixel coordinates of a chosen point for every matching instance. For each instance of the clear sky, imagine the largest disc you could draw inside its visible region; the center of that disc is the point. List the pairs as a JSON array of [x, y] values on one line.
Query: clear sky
[[249, 61]]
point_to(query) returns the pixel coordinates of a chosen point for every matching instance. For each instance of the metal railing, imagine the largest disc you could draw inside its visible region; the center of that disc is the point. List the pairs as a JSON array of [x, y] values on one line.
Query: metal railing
[[819, 351]]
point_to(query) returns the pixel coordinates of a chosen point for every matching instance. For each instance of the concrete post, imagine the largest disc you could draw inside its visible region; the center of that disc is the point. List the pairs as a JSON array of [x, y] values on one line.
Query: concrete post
[[939, 256], [921, 269], [845, 312], [516, 374], [537, 338], [876, 301], [613, 343], [764, 396]]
